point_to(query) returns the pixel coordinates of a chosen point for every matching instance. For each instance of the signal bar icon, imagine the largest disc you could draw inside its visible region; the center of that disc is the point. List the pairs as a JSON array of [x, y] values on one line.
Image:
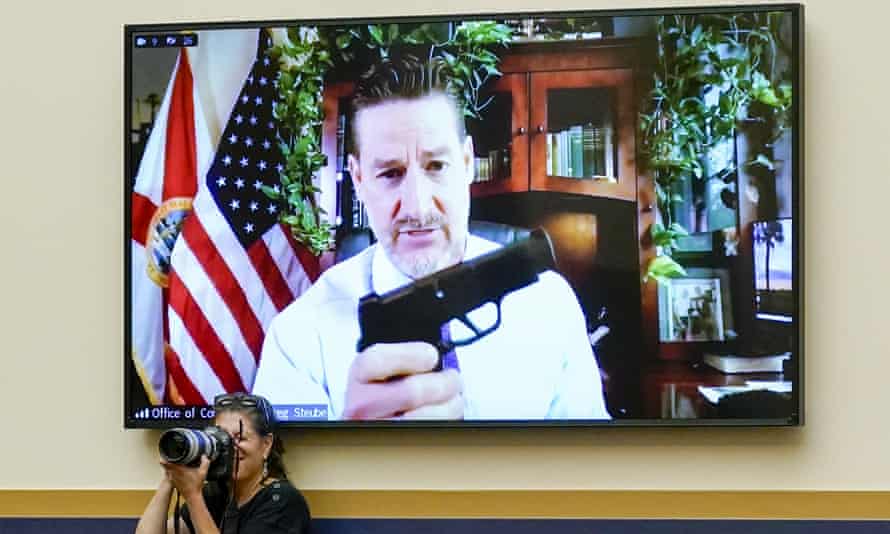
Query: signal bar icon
[[144, 413]]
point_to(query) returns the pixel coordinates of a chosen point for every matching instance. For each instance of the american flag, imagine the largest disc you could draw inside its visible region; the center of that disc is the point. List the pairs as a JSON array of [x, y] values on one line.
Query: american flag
[[234, 266]]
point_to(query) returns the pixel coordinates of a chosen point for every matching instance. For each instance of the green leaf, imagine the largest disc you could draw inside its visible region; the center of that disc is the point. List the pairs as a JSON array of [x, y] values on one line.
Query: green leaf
[[343, 41], [785, 91], [376, 34], [308, 219], [271, 192], [656, 228], [285, 79], [767, 96], [492, 71], [678, 230], [661, 237], [662, 268]]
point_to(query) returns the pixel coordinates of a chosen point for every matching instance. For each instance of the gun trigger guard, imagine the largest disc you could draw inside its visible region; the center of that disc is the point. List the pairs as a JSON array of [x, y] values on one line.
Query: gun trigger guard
[[466, 320], [476, 330]]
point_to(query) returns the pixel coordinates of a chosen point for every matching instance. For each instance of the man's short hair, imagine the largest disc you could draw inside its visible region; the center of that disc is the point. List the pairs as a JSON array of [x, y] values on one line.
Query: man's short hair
[[404, 78]]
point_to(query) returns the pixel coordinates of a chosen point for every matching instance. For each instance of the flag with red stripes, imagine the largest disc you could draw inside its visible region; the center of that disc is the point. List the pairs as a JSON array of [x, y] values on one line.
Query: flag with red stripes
[[178, 149], [233, 266]]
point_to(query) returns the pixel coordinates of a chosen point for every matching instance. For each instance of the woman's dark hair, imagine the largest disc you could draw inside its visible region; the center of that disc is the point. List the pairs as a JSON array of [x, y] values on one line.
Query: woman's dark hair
[[263, 419], [404, 77]]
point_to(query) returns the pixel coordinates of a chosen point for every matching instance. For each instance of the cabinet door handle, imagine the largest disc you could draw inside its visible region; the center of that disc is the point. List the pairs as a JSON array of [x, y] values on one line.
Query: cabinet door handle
[[539, 129], [521, 130]]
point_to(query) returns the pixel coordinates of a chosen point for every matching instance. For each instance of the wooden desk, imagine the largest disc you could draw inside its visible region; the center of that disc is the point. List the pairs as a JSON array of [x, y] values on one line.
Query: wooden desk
[[670, 389]]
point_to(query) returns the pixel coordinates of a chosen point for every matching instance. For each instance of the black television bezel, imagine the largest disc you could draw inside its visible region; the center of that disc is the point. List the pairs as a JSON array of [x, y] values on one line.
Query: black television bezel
[[796, 10]]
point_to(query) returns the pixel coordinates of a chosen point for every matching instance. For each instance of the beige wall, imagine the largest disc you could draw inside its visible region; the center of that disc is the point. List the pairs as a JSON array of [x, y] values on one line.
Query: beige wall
[[61, 322]]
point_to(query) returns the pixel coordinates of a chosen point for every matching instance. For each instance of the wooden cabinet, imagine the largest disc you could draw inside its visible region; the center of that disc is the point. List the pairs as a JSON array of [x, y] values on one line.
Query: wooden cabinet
[[615, 136], [598, 219], [572, 122]]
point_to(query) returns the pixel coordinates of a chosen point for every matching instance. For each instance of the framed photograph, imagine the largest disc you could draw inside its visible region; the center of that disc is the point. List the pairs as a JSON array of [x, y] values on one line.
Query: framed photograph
[[696, 308]]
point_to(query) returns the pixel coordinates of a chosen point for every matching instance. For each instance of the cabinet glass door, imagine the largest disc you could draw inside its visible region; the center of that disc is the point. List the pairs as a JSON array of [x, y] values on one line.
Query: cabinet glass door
[[582, 139], [500, 140]]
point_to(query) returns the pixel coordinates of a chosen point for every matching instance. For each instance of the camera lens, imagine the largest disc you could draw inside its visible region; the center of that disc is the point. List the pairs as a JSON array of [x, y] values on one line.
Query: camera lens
[[185, 446], [178, 446]]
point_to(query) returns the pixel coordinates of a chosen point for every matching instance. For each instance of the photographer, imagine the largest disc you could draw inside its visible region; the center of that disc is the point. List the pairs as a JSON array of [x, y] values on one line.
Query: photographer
[[255, 498]]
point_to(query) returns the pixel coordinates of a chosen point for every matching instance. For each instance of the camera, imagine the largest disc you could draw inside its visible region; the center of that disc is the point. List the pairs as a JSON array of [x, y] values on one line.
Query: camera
[[185, 446]]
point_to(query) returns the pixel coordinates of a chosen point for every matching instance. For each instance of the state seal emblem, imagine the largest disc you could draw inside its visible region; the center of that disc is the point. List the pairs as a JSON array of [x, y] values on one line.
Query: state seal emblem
[[163, 230]]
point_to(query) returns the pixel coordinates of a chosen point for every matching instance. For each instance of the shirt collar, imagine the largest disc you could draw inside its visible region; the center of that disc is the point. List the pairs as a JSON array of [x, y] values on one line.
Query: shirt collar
[[385, 276]]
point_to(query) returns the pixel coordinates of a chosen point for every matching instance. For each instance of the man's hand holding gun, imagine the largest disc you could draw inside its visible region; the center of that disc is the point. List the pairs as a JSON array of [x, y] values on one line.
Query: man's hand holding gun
[[398, 370]]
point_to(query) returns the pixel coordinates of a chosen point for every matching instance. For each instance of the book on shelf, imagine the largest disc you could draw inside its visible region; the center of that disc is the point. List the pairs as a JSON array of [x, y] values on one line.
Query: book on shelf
[[565, 157], [341, 142], [553, 151], [738, 363], [588, 147], [483, 171], [609, 151], [359, 214], [581, 151], [550, 153], [599, 152], [576, 152]]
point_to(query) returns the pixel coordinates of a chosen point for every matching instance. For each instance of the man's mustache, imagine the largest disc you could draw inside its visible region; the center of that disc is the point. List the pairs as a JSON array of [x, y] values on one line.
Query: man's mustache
[[430, 221]]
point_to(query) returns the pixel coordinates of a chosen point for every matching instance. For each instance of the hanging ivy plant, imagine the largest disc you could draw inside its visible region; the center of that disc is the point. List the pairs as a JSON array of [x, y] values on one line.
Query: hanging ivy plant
[[303, 61], [306, 55], [712, 73], [467, 51]]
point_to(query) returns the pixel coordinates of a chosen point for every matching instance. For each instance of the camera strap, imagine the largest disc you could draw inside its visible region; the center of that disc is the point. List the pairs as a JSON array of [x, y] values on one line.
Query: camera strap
[[177, 512], [231, 498]]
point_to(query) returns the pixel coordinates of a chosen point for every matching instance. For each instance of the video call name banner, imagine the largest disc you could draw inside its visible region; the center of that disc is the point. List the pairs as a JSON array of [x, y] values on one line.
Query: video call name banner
[[195, 413]]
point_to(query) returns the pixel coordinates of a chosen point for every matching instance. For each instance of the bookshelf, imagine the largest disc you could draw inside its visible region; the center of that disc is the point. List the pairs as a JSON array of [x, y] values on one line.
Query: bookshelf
[[346, 213], [570, 126]]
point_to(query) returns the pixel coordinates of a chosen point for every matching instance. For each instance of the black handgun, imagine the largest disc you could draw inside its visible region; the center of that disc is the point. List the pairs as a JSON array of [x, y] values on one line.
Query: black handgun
[[417, 311]]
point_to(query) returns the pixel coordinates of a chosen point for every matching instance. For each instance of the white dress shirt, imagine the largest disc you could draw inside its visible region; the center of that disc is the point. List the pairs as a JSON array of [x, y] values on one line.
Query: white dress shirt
[[537, 365]]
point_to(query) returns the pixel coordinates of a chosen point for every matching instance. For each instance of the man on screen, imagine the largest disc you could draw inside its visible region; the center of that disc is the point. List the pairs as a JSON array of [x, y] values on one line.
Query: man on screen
[[411, 166]]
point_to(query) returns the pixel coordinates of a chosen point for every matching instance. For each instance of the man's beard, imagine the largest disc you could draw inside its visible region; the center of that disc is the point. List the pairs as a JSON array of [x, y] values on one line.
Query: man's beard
[[418, 266], [422, 262]]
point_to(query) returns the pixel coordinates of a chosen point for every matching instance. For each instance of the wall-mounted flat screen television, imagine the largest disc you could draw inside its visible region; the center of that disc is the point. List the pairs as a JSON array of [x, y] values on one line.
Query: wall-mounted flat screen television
[[516, 219]]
